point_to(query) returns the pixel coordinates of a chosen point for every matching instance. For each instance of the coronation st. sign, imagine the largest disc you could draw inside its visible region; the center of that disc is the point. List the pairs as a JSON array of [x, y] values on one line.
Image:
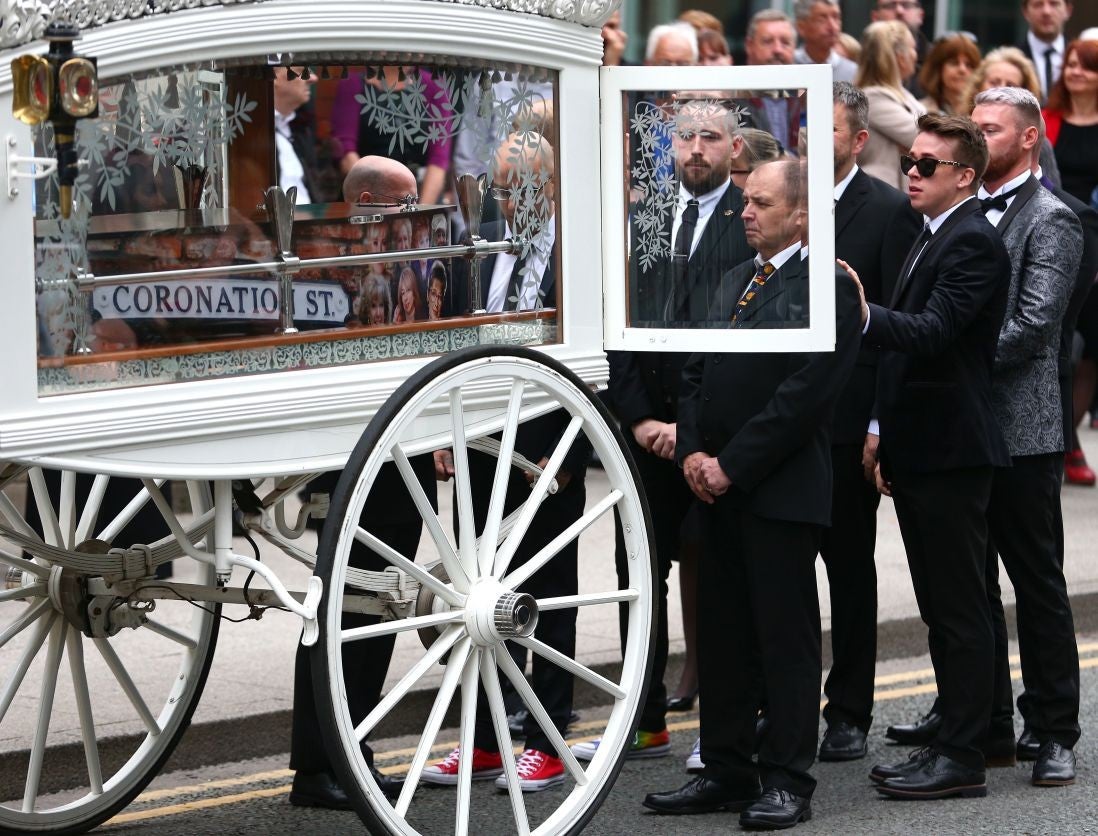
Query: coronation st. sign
[[317, 301]]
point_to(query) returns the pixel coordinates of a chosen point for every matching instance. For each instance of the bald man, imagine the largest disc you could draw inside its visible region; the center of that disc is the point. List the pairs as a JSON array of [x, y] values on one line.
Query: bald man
[[379, 180]]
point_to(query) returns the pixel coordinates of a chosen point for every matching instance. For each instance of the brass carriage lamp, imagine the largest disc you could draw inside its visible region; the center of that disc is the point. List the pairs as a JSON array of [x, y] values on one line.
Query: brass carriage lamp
[[60, 87]]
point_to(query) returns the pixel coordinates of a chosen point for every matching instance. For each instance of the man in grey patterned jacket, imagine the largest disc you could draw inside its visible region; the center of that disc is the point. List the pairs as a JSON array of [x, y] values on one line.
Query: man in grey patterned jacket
[[1045, 243]]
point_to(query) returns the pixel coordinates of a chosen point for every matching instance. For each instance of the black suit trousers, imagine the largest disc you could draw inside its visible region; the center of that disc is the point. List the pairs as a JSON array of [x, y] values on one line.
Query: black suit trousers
[[1026, 532], [758, 635], [943, 522], [847, 551], [669, 502], [365, 663], [556, 628]]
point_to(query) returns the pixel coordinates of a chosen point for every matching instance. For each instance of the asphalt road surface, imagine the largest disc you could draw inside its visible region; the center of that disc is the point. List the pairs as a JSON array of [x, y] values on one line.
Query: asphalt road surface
[[251, 796]]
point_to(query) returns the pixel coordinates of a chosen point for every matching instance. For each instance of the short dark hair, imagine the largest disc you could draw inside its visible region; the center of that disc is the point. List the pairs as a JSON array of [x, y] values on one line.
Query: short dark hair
[[854, 100], [969, 145]]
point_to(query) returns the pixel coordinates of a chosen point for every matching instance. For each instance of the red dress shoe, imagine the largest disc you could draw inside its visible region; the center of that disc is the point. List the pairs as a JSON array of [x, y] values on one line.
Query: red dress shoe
[[1076, 470]]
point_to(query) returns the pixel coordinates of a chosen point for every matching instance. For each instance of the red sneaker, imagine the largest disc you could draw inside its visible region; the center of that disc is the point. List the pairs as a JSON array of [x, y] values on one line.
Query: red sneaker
[[486, 765], [1076, 470], [537, 771]]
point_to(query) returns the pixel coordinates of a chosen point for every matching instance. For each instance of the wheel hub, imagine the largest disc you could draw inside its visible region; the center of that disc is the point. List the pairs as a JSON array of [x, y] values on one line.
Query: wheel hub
[[494, 613]]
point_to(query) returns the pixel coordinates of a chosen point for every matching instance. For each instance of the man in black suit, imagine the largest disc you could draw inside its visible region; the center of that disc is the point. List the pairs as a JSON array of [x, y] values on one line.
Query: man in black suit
[[1044, 41], [708, 240], [874, 228], [754, 444], [940, 441]]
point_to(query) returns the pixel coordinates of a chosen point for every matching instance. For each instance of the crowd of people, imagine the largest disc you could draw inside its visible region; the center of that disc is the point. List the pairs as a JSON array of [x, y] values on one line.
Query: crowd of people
[[966, 224]]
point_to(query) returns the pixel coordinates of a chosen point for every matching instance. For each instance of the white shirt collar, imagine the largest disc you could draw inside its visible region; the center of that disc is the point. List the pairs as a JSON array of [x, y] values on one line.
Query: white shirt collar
[[779, 258], [840, 187], [282, 122], [1038, 47], [706, 202], [936, 223], [1006, 187]]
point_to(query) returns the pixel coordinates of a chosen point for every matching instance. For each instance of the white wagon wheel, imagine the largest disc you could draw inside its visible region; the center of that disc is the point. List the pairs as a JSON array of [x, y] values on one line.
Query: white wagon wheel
[[65, 681], [446, 405]]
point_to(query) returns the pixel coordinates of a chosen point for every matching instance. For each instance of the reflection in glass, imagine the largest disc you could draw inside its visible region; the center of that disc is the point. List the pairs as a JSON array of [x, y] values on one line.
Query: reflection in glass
[[691, 250]]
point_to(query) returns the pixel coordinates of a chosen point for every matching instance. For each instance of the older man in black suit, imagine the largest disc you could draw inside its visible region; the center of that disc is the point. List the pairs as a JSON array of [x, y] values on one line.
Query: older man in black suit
[[941, 441], [708, 238], [874, 228], [754, 444]]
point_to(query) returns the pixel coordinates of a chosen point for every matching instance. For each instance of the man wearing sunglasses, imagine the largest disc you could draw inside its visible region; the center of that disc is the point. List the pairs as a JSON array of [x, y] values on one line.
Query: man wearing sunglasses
[[940, 441]]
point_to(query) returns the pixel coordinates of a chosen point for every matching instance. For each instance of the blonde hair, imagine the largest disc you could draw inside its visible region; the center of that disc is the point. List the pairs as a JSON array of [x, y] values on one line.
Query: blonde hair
[[1003, 55], [878, 65]]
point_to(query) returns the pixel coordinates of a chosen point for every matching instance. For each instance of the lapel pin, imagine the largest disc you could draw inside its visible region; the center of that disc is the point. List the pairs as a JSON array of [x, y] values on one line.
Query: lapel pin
[[728, 213]]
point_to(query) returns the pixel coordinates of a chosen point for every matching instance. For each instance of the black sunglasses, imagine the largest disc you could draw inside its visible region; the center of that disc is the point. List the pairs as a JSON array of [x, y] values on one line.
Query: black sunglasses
[[926, 166]]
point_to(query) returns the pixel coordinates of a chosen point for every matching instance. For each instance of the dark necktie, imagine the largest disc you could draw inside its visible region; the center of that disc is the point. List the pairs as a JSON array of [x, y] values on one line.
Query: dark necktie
[[999, 202], [680, 258], [916, 251], [753, 287], [513, 298], [1048, 70]]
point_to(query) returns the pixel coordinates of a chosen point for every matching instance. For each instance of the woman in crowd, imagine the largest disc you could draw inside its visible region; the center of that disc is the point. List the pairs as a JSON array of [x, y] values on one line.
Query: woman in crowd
[[945, 75], [887, 61], [376, 304], [1071, 119], [758, 147], [1006, 66], [409, 306]]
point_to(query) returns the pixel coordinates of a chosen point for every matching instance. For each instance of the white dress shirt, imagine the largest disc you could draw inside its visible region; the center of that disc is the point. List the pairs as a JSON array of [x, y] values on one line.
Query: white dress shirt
[[840, 187], [537, 259], [994, 215], [707, 203], [1037, 48], [290, 170]]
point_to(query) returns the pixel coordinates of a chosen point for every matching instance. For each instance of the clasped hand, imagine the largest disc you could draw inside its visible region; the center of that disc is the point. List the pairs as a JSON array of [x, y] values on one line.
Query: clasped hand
[[705, 477]]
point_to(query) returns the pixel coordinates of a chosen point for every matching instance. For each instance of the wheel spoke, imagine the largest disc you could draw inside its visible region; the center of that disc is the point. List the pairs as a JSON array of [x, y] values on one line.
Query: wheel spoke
[[499, 481], [553, 547], [469, 677], [400, 561], [467, 544], [50, 527], [537, 496], [171, 634], [450, 680], [588, 599], [90, 514], [29, 653], [573, 667], [67, 508], [127, 685], [45, 713], [429, 659], [23, 592], [490, 679], [14, 519], [23, 619], [75, 644], [537, 711], [446, 551], [126, 515], [40, 572], [401, 625]]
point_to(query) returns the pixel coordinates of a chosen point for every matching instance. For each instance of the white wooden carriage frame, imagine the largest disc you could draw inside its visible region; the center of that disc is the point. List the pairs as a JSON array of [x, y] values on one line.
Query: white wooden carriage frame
[[212, 432]]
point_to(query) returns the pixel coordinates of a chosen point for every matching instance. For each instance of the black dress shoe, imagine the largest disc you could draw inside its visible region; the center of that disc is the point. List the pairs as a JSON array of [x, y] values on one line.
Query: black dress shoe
[[936, 776], [318, 789], [1055, 766], [1028, 746], [843, 742], [776, 810], [389, 786], [920, 733], [682, 703], [701, 795], [882, 771]]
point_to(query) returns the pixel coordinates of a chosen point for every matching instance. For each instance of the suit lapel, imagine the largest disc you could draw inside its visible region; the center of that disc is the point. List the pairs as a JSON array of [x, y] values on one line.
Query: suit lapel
[[1025, 192], [852, 200], [962, 211]]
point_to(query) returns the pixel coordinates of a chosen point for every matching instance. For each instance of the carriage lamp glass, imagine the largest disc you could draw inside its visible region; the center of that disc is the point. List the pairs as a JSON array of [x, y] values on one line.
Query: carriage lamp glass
[[32, 84], [79, 87]]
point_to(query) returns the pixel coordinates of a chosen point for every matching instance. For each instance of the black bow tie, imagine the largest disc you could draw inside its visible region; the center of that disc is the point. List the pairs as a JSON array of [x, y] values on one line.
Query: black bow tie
[[998, 203]]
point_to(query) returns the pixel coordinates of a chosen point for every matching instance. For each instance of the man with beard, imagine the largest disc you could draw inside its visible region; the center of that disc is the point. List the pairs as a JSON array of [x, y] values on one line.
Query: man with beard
[[708, 239]]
